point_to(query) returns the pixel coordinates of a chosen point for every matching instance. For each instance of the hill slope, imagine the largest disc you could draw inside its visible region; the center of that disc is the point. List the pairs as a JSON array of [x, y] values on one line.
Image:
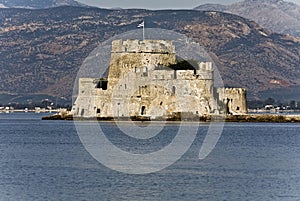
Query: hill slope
[[41, 50], [276, 15], [37, 4]]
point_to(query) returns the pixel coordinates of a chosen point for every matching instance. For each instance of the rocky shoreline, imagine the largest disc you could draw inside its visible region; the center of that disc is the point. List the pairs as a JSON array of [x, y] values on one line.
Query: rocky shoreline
[[270, 118]]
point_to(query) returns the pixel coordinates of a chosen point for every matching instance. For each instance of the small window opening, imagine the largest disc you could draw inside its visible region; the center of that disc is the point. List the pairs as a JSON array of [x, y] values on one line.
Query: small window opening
[[98, 111], [173, 90], [145, 72]]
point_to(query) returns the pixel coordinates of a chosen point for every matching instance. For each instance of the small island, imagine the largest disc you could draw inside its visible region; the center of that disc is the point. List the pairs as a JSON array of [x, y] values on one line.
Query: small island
[[147, 82]]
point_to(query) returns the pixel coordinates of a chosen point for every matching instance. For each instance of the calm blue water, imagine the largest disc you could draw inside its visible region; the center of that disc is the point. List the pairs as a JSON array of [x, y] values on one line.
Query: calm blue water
[[45, 160]]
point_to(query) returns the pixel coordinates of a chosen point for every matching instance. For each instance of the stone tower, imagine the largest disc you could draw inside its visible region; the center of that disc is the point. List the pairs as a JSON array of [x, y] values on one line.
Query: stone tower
[[140, 83], [145, 55], [234, 100]]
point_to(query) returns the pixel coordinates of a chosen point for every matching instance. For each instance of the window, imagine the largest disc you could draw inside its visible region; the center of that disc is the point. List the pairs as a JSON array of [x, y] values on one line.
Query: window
[[98, 111], [145, 72], [173, 90]]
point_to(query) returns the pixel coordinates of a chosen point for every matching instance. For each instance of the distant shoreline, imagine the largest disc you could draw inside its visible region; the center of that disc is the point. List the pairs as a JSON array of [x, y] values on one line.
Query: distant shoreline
[[36, 110]]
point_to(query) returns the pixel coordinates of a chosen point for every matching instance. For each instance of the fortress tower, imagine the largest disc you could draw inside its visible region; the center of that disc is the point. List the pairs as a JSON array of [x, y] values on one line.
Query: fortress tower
[[128, 55], [140, 83]]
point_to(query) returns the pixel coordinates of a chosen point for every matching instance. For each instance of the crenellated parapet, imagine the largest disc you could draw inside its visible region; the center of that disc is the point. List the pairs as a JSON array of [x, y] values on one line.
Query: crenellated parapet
[[144, 46]]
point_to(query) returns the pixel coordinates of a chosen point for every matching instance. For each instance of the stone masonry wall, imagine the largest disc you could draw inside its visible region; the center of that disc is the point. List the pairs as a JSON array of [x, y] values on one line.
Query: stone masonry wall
[[137, 87], [131, 54], [235, 99]]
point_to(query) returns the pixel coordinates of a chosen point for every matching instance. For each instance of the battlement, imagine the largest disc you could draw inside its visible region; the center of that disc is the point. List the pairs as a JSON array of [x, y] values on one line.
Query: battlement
[[232, 91], [205, 66], [144, 46]]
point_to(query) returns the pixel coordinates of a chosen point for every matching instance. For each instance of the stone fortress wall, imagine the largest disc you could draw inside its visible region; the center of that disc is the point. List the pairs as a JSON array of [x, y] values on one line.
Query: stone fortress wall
[[140, 84], [234, 100]]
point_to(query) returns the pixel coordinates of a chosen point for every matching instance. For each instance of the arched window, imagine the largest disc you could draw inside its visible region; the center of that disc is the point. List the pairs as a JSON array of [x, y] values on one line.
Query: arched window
[[143, 112]]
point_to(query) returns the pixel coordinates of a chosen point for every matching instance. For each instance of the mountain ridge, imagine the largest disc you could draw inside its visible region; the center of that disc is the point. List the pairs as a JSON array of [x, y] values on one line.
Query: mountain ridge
[[42, 50], [38, 4], [277, 15]]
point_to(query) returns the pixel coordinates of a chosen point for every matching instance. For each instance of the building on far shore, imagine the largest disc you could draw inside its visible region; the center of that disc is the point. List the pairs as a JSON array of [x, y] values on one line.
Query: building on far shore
[[140, 83]]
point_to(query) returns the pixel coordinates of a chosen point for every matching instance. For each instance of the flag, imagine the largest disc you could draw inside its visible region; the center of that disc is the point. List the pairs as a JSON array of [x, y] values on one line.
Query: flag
[[141, 25]]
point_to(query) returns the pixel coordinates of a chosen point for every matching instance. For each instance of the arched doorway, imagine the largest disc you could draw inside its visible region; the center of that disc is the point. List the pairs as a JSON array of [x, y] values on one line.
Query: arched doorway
[[143, 111]]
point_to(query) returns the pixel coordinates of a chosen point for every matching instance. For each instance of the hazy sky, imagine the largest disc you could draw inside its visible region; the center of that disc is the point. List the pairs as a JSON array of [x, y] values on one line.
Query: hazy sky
[[156, 4]]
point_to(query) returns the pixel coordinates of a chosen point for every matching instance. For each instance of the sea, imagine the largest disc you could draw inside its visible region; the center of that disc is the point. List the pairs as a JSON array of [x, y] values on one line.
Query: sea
[[47, 160]]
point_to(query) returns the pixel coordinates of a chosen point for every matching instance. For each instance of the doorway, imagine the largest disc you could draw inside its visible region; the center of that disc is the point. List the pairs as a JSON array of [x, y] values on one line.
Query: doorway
[[143, 112]]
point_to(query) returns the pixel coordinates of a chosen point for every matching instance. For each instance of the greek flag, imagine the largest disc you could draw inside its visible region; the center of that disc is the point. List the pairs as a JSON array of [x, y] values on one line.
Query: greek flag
[[141, 25]]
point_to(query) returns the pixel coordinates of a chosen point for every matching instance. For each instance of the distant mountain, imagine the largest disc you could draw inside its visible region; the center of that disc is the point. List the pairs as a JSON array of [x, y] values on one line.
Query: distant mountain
[[37, 4], [42, 50], [276, 15]]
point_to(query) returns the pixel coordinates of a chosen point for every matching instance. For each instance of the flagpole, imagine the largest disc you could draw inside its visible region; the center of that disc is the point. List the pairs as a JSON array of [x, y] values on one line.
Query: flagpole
[[142, 25]]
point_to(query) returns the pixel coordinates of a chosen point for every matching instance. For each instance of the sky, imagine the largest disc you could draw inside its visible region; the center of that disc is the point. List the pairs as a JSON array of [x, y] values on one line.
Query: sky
[[157, 4]]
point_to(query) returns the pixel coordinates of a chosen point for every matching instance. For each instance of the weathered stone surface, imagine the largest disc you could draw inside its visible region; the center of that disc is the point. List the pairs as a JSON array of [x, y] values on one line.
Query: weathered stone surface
[[234, 99], [140, 84]]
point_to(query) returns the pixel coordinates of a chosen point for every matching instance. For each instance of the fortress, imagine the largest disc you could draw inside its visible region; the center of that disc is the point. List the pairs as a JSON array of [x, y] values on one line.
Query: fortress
[[141, 84]]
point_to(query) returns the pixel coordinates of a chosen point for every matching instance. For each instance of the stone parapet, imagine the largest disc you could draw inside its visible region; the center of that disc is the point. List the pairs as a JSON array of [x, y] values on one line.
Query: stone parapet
[[145, 46]]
